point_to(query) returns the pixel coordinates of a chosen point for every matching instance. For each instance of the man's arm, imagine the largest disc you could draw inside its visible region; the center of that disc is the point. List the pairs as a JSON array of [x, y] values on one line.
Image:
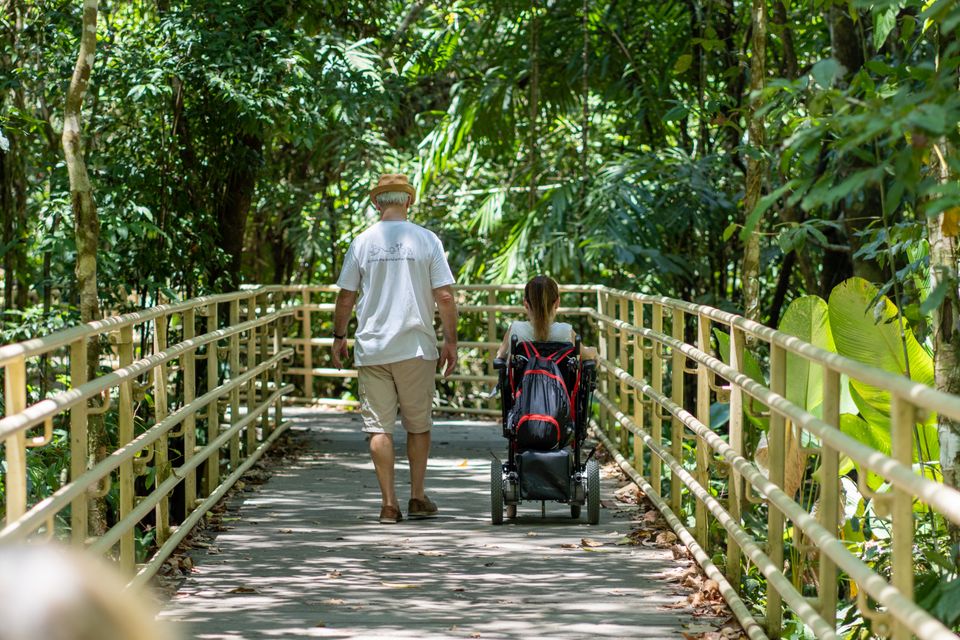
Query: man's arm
[[341, 316], [447, 304]]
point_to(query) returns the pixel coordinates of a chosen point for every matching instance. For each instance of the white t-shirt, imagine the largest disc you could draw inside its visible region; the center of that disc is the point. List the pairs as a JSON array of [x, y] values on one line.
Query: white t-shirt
[[395, 265], [559, 331]]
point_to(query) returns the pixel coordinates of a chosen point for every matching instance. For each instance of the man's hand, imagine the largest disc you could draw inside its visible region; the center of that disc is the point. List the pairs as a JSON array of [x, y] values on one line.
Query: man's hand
[[448, 358], [340, 352]]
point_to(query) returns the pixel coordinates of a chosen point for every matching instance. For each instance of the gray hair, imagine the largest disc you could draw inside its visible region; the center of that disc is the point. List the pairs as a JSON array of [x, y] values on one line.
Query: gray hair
[[393, 197]]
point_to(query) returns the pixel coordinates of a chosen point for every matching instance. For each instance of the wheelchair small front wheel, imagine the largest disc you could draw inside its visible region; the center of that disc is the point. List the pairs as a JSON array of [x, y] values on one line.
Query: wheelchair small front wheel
[[496, 492], [511, 511], [575, 511], [593, 492]]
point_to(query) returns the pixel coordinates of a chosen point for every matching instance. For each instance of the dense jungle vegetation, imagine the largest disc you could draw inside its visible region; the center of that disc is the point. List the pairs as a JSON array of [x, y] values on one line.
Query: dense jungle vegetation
[[744, 155]]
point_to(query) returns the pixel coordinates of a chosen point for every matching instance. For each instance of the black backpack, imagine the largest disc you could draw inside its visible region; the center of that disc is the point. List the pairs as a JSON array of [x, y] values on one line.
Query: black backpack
[[541, 413]]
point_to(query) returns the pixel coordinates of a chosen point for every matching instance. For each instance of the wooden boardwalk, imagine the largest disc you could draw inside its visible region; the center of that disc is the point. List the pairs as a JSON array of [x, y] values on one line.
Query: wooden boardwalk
[[303, 556]]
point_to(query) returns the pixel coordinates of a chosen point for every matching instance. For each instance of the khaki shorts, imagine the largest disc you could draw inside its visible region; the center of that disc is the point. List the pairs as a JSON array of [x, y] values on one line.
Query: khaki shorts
[[406, 386]]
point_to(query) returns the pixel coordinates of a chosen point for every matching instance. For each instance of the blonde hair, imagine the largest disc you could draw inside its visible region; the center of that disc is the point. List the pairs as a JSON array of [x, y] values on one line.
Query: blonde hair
[[541, 294]]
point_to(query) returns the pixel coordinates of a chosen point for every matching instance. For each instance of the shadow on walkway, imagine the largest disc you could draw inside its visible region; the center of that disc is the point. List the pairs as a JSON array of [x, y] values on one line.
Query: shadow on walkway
[[304, 556]]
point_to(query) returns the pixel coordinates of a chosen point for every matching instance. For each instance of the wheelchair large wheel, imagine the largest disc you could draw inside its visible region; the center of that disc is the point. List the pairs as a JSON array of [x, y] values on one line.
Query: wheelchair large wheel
[[593, 492], [496, 492]]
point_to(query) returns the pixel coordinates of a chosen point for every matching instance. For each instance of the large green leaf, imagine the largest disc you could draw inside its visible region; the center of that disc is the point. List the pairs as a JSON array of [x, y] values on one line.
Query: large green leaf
[[752, 368], [807, 318], [870, 332]]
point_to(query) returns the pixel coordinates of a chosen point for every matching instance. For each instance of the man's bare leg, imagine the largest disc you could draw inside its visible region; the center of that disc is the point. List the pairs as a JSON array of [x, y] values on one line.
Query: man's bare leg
[[381, 450], [418, 451]]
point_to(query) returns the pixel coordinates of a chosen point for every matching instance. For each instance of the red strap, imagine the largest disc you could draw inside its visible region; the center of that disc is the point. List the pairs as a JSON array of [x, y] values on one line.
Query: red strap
[[542, 418], [559, 355], [573, 397], [549, 375]]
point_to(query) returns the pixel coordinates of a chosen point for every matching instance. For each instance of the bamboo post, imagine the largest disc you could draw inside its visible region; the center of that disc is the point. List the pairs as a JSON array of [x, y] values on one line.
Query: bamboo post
[[703, 449], [735, 501], [128, 550], [829, 510], [604, 354], [676, 394], [213, 409], [656, 381], [161, 450], [263, 354], [251, 362], [610, 386], [638, 397], [903, 420], [79, 522], [15, 401], [775, 522], [624, 338], [492, 337], [190, 422], [307, 333], [234, 372], [278, 370]]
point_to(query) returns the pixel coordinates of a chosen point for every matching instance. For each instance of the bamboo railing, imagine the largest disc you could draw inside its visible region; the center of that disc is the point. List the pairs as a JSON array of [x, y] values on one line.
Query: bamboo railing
[[658, 378], [633, 408], [174, 452]]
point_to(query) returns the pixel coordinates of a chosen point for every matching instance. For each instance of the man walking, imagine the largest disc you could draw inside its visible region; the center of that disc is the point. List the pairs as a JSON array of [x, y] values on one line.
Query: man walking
[[400, 272]]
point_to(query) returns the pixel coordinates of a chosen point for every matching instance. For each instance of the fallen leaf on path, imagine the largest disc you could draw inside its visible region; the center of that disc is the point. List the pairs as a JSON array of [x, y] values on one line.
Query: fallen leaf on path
[[334, 574], [243, 590], [531, 534], [569, 545], [590, 542], [286, 530], [320, 623], [465, 463], [431, 554], [666, 539], [399, 585], [334, 601], [651, 516]]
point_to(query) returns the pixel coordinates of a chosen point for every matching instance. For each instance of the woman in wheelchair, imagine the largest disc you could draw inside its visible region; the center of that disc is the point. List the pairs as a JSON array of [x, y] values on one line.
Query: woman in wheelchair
[[541, 299], [546, 378]]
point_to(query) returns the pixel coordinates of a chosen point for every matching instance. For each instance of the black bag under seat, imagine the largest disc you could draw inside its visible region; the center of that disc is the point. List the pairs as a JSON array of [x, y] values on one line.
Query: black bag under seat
[[541, 413], [546, 475]]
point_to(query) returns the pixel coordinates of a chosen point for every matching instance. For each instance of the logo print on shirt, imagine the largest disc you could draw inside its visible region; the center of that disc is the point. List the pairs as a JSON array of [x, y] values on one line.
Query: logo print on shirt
[[394, 253]]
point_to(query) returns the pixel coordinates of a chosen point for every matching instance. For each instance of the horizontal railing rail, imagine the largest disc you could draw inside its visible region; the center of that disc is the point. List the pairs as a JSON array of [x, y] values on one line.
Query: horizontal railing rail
[[187, 395]]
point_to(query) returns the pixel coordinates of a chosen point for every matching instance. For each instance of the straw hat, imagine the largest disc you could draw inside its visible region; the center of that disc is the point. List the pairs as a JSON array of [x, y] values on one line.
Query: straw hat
[[393, 182]]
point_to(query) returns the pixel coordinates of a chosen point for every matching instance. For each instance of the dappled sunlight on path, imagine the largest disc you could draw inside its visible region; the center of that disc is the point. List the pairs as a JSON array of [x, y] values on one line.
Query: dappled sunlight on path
[[304, 556]]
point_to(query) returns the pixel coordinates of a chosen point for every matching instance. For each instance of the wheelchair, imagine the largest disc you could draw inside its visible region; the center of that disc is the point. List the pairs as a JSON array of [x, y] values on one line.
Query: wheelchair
[[558, 474]]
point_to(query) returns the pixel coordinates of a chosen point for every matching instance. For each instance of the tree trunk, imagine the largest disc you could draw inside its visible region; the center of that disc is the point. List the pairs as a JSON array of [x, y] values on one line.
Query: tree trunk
[[946, 344], [942, 233], [786, 38], [845, 44], [86, 229], [13, 180], [234, 206], [533, 146], [755, 165]]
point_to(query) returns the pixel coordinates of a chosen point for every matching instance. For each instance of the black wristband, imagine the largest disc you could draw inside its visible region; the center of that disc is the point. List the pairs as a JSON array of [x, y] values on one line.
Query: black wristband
[[336, 337]]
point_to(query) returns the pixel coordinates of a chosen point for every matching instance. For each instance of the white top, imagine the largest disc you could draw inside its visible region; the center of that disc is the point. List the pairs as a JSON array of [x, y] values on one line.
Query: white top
[[395, 265], [559, 331]]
